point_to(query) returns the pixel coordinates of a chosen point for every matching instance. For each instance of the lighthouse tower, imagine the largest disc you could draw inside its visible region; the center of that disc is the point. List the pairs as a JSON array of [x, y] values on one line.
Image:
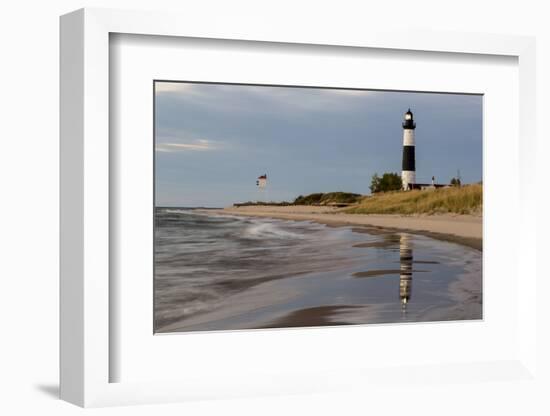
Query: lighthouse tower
[[408, 174]]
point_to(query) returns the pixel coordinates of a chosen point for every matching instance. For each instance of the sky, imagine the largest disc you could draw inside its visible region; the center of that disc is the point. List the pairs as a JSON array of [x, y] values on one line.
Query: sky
[[212, 141]]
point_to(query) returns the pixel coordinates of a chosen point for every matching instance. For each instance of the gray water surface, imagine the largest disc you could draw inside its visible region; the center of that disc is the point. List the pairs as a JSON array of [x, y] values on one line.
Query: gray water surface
[[223, 272]]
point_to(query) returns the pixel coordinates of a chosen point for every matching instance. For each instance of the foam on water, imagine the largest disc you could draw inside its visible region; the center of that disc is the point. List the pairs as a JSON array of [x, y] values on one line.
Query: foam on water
[[262, 230]]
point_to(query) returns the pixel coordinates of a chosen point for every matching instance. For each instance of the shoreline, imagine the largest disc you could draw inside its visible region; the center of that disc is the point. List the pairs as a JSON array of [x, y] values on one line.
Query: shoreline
[[466, 230]]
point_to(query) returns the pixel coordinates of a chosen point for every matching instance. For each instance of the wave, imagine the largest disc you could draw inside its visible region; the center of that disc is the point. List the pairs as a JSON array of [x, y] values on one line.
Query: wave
[[265, 230], [180, 211]]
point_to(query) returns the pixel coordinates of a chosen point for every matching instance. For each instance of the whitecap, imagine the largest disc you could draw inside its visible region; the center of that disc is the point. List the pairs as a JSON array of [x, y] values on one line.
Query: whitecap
[[264, 230]]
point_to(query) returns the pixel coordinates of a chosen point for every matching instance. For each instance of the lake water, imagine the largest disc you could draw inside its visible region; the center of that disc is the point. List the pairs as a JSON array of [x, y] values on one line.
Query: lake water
[[223, 272]]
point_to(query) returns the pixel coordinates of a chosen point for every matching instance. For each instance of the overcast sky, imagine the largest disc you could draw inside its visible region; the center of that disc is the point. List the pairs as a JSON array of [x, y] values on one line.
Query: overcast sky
[[212, 140]]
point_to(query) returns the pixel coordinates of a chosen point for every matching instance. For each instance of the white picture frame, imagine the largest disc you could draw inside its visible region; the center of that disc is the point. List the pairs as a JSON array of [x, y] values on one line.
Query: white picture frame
[[86, 218]]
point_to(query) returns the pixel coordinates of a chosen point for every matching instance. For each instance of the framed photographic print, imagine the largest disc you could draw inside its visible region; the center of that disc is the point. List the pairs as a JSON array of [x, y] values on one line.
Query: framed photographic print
[[319, 238], [246, 213]]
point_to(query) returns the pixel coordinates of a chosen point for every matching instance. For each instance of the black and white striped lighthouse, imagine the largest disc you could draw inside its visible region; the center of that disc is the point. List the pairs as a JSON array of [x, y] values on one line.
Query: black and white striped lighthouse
[[408, 174]]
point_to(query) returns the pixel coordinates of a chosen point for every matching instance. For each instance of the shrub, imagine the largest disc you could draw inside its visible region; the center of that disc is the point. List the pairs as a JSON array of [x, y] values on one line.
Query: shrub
[[328, 198], [388, 182]]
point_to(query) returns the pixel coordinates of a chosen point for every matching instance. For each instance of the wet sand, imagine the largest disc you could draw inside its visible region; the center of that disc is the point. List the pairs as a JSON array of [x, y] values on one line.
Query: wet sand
[[316, 316], [382, 272], [461, 229]]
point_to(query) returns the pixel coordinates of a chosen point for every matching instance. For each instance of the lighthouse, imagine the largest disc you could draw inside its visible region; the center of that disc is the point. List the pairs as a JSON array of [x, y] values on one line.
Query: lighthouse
[[408, 174]]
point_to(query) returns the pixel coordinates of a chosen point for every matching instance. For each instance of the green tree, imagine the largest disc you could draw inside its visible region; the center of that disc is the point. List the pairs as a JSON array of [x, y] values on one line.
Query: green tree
[[455, 182], [375, 183], [388, 182]]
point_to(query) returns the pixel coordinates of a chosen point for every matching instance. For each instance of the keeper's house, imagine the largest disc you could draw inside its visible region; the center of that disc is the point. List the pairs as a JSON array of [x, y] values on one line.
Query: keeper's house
[[423, 186]]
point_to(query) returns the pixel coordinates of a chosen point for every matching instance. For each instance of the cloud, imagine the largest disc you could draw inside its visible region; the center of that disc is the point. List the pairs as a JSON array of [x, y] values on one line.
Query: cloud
[[349, 92], [173, 87], [312, 100], [257, 99], [196, 145]]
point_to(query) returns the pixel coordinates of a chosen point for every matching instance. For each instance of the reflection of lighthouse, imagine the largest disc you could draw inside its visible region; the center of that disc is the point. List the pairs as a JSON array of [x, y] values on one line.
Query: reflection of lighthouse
[[406, 263], [408, 174]]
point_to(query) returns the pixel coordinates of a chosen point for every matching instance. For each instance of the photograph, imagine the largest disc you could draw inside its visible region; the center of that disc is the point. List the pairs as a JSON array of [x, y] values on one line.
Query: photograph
[[282, 206]]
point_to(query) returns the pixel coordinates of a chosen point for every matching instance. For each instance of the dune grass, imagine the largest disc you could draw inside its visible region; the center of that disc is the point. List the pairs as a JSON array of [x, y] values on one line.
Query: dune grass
[[328, 198], [458, 200]]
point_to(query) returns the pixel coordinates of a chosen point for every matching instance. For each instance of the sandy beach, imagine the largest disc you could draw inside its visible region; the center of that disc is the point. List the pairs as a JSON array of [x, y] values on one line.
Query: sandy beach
[[461, 229]]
